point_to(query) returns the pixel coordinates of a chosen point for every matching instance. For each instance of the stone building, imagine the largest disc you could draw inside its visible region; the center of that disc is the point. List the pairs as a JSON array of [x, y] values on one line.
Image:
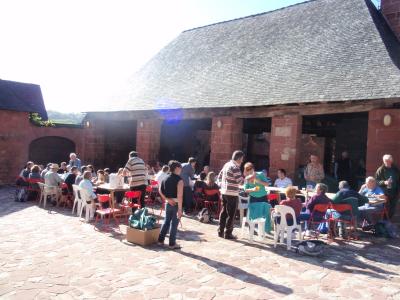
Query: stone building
[[320, 76]]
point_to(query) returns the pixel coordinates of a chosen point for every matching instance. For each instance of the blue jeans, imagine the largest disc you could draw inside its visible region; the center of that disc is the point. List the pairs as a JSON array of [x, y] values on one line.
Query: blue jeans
[[171, 220]]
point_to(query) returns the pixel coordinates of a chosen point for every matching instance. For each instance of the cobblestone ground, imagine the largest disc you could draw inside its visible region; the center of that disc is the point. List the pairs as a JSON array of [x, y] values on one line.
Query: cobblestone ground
[[53, 255]]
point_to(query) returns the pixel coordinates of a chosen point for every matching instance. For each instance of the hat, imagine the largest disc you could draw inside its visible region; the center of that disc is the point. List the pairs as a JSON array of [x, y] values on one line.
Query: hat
[[54, 166]]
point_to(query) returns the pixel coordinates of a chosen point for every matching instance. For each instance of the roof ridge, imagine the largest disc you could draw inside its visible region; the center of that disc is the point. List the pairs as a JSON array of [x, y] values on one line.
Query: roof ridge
[[20, 82], [251, 16]]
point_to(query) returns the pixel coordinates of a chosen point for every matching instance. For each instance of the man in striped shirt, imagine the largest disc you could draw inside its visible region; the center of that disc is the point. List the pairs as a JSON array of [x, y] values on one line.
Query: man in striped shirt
[[136, 170], [230, 178]]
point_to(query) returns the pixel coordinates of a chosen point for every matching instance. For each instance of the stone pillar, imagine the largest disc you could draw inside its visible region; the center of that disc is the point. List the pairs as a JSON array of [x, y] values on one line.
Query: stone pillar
[[284, 150], [148, 139], [391, 11], [382, 139], [226, 137]]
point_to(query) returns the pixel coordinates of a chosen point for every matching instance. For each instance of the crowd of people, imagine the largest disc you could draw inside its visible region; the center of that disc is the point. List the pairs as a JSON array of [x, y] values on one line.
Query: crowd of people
[[180, 186]]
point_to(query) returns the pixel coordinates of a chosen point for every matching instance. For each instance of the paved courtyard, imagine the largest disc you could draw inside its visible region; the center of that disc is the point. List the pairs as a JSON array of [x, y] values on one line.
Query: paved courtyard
[[53, 255]]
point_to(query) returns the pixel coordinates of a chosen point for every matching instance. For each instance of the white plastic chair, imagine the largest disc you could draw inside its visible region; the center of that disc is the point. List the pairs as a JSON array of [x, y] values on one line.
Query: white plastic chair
[[46, 191], [260, 226], [89, 209], [77, 199], [282, 227], [242, 205]]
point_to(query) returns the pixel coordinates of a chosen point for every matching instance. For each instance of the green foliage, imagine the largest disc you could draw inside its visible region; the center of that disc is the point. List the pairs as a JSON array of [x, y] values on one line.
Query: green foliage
[[37, 120]]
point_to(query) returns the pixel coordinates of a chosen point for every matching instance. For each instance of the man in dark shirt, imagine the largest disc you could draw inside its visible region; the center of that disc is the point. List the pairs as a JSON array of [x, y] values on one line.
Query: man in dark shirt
[[70, 178], [343, 167]]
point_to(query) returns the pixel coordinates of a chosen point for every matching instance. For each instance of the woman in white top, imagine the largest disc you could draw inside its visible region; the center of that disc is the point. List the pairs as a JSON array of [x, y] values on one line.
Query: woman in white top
[[282, 181], [162, 174]]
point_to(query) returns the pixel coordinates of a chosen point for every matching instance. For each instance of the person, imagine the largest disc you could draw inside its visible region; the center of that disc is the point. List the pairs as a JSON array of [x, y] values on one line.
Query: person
[[343, 168], [255, 184], [187, 175], [91, 169], [35, 172], [52, 178], [162, 174], [171, 192], [282, 181], [346, 192], [368, 212], [79, 177], [44, 171], [210, 185], [314, 172], [136, 170], [294, 203], [63, 168], [100, 179], [200, 183], [206, 170], [387, 177], [87, 186], [319, 198], [107, 175], [230, 178], [71, 178], [75, 161], [26, 170]]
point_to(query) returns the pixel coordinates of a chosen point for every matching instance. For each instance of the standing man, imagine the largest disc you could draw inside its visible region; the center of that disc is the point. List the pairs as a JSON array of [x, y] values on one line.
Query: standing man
[[387, 177], [171, 191], [74, 161], [187, 175], [135, 168], [230, 178], [343, 168]]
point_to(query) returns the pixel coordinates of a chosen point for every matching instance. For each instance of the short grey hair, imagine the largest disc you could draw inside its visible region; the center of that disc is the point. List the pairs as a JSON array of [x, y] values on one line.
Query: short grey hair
[[387, 157], [72, 154], [323, 187], [344, 185], [369, 179]]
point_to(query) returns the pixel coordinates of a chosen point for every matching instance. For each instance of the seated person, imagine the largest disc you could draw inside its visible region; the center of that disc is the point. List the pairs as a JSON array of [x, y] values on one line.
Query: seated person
[[87, 187], [206, 170], [100, 179], [45, 170], [255, 183], [79, 177], [282, 181], [370, 213], [107, 174], [71, 178], [52, 178], [294, 203], [210, 185], [35, 174], [319, 198], [63, 168], [345, 193], [162, 174], [24, 174]]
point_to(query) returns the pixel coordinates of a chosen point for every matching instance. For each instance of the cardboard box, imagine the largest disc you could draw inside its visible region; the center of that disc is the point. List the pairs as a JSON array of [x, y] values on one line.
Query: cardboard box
[[143, 237]]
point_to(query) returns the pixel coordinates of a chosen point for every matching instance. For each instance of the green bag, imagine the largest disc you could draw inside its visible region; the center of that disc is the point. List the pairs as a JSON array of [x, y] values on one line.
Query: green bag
[[140, 219]]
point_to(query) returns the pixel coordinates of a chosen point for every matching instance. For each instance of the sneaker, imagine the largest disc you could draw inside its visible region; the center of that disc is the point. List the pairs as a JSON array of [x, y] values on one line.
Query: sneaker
[[230, 237], [174, 247], [221, 234], [161, 244]]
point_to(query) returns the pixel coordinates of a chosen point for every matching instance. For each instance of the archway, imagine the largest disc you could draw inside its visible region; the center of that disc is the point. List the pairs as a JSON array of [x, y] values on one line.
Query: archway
[[53, 149]]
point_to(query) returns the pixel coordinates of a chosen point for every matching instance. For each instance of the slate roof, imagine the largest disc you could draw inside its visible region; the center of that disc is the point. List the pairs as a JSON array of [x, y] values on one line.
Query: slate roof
[[18, 96], [321, 50]]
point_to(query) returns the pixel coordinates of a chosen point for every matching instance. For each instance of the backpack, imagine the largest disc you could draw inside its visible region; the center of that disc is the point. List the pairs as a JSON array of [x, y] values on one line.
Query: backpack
[[204, 216], [311, 247]]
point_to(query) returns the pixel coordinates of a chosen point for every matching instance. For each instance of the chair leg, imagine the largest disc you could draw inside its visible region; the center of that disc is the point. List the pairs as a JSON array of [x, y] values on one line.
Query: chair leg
[[276, 236], [243, 226]]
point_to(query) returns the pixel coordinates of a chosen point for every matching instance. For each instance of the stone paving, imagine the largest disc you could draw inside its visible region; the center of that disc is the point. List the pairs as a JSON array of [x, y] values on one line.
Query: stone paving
[[50, 254]]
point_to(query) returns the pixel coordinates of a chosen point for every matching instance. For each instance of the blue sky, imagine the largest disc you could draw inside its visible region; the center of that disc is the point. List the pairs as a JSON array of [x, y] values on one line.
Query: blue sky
[[83, 52]]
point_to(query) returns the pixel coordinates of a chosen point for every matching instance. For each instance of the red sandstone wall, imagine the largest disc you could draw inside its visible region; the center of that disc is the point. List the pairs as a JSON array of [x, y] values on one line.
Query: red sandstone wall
[[15, 136], [382, 139], [225, 140]]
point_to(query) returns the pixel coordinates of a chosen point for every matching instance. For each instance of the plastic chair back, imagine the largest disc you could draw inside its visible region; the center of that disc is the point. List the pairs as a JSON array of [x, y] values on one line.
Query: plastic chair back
[[133, 194], [153, 183], [341, 208], [103, 198], [284, 210], [76, 191], [211, 192], [321, 208]]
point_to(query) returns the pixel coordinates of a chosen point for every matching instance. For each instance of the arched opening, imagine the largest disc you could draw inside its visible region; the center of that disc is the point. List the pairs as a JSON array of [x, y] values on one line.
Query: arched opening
[[53, 149]]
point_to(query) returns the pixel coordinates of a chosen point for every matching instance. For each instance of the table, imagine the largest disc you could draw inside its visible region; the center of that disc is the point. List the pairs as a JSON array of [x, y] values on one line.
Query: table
[[374, 201], [107, 187]]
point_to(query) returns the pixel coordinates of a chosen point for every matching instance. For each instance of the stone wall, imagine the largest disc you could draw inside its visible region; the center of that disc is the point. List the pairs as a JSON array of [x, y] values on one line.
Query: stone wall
[[17, 133], [382, 139]]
